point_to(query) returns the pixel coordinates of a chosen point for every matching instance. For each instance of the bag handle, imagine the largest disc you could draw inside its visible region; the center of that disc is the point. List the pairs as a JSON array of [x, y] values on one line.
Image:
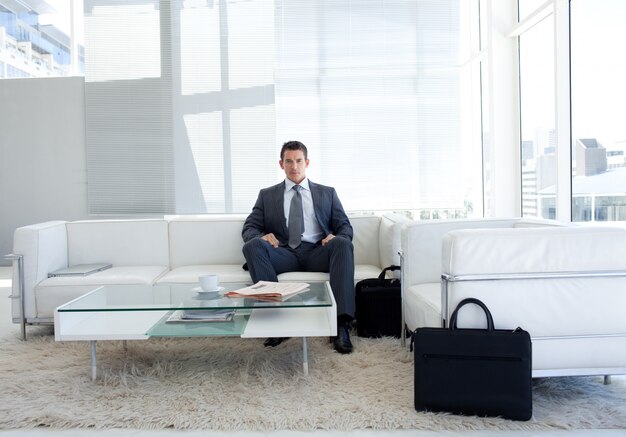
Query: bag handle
[[383, 274], [474, 301]]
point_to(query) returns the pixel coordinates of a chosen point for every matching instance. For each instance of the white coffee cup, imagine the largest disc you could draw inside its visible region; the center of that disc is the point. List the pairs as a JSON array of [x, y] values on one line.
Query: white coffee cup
[[209, 282]]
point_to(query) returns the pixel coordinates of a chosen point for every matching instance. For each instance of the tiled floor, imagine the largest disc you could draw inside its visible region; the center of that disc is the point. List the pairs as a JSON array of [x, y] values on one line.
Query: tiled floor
[[8, 328]]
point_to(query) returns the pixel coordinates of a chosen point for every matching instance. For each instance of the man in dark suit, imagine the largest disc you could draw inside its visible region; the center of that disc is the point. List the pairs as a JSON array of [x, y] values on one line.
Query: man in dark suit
[[298, 225]]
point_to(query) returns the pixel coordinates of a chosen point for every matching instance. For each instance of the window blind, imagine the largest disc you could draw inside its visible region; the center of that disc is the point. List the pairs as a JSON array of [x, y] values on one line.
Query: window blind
[[128, 99], [188, 102], [374, 88]]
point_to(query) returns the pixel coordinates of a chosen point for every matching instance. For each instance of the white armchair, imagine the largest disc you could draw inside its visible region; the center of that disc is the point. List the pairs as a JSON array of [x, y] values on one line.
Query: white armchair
[[565, 285], [421, 243]]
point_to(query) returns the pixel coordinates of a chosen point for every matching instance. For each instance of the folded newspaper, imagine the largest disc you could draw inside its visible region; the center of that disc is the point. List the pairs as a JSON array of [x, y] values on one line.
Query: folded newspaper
[[181, 316], [265, 290]]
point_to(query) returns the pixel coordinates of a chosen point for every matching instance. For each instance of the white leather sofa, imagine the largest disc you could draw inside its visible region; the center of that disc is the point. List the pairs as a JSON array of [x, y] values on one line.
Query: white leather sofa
[[175, 249], [565, 285]]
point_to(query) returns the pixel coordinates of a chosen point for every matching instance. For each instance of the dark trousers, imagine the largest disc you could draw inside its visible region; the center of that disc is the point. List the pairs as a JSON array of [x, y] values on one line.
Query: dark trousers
[[337, 258]]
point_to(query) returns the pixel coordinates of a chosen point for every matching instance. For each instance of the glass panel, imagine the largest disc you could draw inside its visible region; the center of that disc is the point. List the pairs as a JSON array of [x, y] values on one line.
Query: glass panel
[[204, 93], [200, 63], [483, 20], [538, 142], [598, 110], [527, 7], [486, 140], [234, 327], [36, 39], [382, 95], [185, 296]]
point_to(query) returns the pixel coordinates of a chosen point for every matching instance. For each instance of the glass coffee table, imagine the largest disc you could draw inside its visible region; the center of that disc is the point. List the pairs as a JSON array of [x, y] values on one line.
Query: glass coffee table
[[139, 312]]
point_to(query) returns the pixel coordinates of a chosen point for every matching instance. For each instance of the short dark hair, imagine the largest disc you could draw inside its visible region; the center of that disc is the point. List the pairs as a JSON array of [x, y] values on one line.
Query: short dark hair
[[293, 145]]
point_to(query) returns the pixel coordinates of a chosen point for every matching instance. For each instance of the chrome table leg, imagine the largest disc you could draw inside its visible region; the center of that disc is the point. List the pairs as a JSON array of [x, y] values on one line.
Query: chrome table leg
[[94, 365], [305, 357]]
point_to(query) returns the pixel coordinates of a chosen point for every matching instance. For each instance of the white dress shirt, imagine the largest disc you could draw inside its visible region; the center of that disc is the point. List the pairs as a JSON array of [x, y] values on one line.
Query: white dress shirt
[[312, 230]]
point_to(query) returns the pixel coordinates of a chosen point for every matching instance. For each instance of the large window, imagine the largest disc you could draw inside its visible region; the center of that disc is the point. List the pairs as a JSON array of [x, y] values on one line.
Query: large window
[[598, 68], [379, 90], [189, 114], [538, 150], [573, 139]]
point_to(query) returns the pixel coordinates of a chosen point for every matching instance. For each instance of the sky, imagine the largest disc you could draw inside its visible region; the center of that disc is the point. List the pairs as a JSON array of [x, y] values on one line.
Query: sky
[[598, 67], [598, 70]]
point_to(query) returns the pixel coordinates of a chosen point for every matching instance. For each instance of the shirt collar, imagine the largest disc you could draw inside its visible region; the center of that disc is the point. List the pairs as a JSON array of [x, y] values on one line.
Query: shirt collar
[[289, 184]]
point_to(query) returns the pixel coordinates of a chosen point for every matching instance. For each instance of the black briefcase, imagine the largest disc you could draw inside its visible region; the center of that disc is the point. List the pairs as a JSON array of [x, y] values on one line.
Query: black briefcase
[[378, 306], [483, 372]]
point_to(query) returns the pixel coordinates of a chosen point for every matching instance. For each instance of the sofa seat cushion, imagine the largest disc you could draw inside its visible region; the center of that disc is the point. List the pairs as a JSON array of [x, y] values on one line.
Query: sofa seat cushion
[[51, 297], [124, 275], [422, 305], [303, 277], [53, 292], [189, 274], [235, 273], [366, 271], [360, 272]]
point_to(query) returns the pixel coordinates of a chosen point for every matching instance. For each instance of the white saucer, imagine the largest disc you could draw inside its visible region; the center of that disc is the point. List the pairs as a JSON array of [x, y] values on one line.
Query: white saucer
[[201, 291]]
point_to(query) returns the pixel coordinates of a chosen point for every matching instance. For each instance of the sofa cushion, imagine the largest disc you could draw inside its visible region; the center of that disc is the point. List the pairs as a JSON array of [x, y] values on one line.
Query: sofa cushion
[[123, 275], [365, 239], [389, 239], [303, 277], [208, 240], [189, 274], [55, 291], [422, 305], [50, 297], [360, 272], [234, 273], [119, 242]]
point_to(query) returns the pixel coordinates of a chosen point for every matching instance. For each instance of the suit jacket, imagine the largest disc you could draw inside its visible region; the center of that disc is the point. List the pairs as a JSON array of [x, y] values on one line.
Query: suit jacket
[[268, 214]]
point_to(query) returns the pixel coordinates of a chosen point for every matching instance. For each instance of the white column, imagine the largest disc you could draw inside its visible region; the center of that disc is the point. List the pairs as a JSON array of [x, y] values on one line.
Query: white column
[[504, 115]]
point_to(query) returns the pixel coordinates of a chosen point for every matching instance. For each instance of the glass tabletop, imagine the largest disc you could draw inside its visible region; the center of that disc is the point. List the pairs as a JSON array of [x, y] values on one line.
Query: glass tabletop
[[187, 297]]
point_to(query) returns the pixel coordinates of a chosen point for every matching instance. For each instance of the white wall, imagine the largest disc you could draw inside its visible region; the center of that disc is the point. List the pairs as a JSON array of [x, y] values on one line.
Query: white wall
[[43, 173]]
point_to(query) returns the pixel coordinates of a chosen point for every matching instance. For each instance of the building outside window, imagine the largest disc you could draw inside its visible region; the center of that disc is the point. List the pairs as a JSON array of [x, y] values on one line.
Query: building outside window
[[40, 38]]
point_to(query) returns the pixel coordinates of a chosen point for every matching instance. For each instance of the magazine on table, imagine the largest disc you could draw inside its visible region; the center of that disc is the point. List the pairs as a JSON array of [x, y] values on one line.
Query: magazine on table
[[182, 316], [265, 290]]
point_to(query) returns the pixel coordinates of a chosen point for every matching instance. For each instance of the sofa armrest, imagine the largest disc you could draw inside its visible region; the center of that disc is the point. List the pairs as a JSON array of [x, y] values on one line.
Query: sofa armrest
[[389, 238], [43, 247], [552, 281], [421, 245]]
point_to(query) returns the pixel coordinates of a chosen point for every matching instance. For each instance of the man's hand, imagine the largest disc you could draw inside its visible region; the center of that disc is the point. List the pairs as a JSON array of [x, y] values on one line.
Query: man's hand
[[270, 238], [326, 240]]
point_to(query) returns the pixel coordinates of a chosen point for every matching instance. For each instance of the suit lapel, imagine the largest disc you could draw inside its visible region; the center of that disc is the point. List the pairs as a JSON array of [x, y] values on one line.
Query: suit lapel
[[318, 202], [279, 207], [316, 197]]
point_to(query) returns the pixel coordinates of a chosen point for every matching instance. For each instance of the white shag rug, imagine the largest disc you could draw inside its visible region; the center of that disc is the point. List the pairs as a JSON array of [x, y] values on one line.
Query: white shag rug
[[233, 384]]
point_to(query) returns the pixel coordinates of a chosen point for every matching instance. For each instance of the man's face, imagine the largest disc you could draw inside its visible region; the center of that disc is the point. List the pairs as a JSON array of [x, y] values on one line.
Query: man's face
[[295, 165]]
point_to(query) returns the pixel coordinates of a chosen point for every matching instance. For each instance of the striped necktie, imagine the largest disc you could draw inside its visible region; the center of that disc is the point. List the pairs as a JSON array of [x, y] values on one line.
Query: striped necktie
[[296, 218]]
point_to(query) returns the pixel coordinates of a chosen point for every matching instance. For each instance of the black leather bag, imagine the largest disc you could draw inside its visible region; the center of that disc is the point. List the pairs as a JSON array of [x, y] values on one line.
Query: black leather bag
[[483, 372], [378, 306]]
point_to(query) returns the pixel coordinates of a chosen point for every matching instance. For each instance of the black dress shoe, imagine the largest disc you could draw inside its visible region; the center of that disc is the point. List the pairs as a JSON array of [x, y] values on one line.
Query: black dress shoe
[[342, 343], [274, 341]]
